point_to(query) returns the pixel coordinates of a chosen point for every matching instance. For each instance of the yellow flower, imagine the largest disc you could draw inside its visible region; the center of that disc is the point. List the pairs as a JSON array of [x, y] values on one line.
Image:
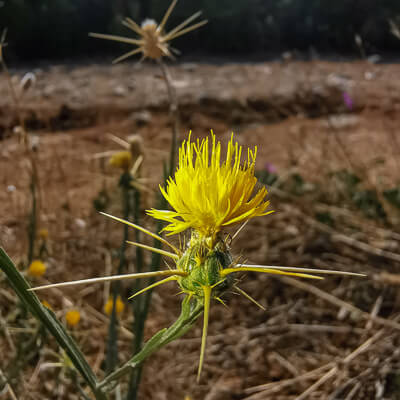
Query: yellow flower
[[208, 194], [119, 306], [73, 317], [46, 304], [37, 268], [43, 233], [122, 159], [152, 42]]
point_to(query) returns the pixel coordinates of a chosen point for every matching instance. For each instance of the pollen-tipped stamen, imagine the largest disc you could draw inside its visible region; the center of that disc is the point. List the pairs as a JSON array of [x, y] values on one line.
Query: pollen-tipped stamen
[[207, 298], [171, 278]]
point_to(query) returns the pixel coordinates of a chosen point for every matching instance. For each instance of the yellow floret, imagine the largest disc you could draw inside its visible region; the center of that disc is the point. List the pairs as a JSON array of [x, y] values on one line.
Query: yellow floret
[[122, 159], [37, 268], [119, 306], [73, 317]]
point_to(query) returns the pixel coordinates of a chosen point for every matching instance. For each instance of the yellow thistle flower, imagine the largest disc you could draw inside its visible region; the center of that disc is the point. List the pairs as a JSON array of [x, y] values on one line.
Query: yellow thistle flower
[[37, 268], [208, 194], [72, 317], [119, 306], [122, 159], [152, 42]]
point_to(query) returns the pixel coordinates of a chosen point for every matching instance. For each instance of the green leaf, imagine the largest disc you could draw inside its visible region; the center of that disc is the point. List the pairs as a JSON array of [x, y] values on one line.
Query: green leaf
[[49, 320]]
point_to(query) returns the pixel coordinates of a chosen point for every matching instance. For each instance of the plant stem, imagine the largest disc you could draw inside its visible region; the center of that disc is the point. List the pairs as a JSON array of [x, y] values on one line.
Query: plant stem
[[191, 310], [173, 112], [112, 348]]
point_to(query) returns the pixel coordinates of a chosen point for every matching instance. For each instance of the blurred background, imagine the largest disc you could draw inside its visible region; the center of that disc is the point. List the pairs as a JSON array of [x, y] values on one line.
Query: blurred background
[[315, 85]]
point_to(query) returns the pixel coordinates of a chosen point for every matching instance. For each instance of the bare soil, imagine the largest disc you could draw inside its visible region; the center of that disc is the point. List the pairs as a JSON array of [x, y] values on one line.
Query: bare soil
[[296, 114]]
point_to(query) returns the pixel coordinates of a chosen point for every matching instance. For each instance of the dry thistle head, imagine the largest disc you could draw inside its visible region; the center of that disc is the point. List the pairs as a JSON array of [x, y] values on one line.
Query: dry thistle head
[[119, 306], [72, 317], [122, 160], [152, 41], [37, 268]]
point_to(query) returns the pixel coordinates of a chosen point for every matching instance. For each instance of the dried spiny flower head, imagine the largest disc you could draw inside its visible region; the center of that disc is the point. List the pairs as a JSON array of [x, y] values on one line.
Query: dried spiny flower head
[[153, 41], [119, 306], [72, 317], [37, 268]]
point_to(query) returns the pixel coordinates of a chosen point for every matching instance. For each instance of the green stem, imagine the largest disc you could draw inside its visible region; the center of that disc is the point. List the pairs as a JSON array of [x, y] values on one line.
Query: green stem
[[173, 112], [191, 310], [112, 347], [32, 221]]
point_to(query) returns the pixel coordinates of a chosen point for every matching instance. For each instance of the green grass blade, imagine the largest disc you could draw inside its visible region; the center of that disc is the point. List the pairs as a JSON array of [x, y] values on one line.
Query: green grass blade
[[49, 320]]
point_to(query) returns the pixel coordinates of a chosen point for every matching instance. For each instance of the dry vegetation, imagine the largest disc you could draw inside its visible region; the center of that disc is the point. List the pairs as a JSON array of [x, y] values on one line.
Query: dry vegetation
[[336, 339]]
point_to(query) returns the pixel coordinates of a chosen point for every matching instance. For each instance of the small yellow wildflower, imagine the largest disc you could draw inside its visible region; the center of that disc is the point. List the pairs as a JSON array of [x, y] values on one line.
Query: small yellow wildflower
[[122, 159], [208, 194], [37, 268], [73, 317], [152, 41], [119, 306], [46, 304], [43, 233]]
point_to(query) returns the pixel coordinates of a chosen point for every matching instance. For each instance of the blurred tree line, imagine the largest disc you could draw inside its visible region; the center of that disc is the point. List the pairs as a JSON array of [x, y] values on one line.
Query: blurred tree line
[[58, 28]]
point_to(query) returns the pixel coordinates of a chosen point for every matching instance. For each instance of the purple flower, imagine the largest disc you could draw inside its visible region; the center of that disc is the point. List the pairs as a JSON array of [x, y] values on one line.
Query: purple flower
[[348, 101], [270, 168]]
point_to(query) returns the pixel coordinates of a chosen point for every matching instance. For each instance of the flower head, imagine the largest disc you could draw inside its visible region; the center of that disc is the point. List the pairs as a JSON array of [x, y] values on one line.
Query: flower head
[[73, 317], [122, 159], [152, 41], [208, 193], [119, 306], [37, 268]]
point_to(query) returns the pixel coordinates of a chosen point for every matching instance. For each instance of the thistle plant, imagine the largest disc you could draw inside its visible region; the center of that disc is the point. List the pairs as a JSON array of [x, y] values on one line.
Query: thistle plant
[[153, 43], [207, 194]]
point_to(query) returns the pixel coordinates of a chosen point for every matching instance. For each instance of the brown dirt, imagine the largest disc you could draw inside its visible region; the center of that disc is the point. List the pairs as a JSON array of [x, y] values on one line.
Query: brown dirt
[[295, 114]]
